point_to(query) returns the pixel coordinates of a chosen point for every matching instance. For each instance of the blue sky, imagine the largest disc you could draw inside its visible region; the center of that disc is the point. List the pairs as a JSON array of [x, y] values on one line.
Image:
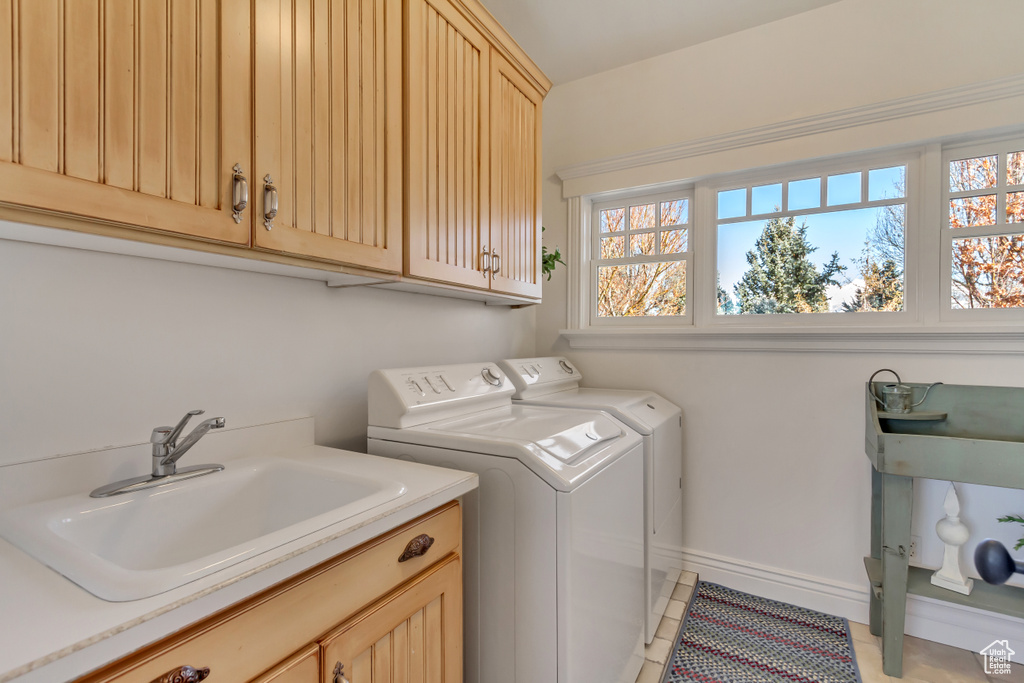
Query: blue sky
[[841, 231]]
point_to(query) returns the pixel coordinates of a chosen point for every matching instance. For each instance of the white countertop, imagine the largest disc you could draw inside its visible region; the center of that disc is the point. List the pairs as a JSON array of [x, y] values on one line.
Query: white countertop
[[54, 630]]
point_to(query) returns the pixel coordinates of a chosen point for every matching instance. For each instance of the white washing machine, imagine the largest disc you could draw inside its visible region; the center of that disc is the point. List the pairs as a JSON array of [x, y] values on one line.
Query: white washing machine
[[552, 538], [556, 382]]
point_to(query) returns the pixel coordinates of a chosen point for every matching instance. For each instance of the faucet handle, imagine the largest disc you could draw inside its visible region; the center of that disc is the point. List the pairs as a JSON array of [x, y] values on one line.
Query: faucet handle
[[172, 438], [161, 435]]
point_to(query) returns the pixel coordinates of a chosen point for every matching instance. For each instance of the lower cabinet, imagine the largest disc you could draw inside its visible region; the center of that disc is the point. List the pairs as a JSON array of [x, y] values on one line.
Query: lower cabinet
[[390, 610], [407, 637]]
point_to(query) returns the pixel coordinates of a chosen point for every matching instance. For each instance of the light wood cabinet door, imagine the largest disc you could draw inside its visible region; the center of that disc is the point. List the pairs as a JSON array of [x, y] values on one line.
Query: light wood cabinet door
[[328, 124], [126, 112], [515, 153], [412, 636], [447, 70]]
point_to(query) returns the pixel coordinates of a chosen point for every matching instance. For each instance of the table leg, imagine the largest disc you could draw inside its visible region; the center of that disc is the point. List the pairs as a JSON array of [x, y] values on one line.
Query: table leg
[[875, 604], [897, 504]]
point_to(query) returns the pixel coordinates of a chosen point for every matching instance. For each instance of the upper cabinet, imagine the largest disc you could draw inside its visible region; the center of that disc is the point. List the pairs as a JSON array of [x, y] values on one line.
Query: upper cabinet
[[448, 68], [328, 124], [515, 225], [382, 138], [472, 154], [127, 112]]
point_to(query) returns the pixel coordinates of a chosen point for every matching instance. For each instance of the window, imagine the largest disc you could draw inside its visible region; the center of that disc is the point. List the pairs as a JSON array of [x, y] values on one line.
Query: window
[[984, 220], [921, 243], [641, 249], [813, 242]]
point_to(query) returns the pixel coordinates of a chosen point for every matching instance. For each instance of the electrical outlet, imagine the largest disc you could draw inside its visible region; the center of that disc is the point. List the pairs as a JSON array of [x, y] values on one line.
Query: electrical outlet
[[915, 543]]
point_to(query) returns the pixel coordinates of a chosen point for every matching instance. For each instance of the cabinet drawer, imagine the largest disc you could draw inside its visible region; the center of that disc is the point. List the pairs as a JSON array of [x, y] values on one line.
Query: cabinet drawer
[[246, 639], [303, 667]]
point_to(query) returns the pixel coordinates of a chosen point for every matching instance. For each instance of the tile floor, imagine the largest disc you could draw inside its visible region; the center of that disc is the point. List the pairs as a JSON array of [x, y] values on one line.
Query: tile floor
[[923, 660]]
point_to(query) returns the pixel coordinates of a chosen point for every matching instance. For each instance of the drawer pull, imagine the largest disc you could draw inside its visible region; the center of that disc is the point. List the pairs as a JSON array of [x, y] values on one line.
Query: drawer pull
[[417, 546], [184, 674], [339, 674]]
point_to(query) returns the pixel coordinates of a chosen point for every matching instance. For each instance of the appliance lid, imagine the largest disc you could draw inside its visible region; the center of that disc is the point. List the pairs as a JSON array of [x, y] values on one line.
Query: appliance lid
[[557, 444], [643, 411], [565, 435]]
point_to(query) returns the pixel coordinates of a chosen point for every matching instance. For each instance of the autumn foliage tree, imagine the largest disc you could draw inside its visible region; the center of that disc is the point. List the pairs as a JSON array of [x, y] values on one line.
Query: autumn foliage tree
[[651, 287], [988, 271]]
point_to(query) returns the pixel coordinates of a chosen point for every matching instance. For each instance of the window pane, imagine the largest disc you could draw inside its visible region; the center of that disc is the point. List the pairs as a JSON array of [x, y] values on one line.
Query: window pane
[[804, 194], [972, 174], [988, 272], [611, 220], [844, 189], [813, 264], [675, 212], [673, 241], [1015, 168], [968, 212], [642, 217], [732, 203], [641, 244], [642, 289], [1015, 207], [766, 199], [887, 183], [612, 247]]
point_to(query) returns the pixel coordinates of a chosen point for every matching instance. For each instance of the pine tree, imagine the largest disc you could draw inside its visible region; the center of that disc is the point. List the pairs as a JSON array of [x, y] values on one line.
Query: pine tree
[[781, 277]]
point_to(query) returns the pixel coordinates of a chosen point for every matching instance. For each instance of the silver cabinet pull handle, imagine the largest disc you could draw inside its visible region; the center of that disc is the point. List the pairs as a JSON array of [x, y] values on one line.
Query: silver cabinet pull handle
[[239, 193], [269, 202], [339, 674], [485, 262], [496, 261]]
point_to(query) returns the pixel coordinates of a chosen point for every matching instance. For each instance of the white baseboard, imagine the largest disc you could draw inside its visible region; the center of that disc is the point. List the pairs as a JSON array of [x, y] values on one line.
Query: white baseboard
[[936, 620]]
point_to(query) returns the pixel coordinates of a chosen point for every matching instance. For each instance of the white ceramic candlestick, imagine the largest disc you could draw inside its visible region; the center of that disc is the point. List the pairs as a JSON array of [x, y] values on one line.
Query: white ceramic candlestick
[[954, 534]]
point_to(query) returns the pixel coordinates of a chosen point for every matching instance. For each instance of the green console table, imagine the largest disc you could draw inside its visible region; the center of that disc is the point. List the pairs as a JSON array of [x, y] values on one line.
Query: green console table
[[961, 433]]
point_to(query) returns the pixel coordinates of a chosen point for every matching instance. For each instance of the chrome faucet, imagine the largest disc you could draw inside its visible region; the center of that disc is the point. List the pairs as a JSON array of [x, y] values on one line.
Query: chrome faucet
[[166, 449], [166, 453]]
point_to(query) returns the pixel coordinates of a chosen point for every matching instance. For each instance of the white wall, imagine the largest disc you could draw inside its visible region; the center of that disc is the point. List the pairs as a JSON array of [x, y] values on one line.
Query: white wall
[[97, 349], [777, 483]]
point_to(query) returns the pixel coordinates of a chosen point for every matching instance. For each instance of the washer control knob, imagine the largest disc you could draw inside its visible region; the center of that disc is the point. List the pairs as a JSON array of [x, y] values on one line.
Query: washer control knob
[[566, 366], [491, 377]]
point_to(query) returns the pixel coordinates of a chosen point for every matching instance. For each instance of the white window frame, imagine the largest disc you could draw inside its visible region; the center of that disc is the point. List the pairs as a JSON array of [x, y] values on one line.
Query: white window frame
[[708, 192], [991, 146], [592, 264]]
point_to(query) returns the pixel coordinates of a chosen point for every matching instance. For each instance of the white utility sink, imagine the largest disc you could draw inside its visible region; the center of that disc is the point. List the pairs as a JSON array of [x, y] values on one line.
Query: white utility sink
[[140, 544]]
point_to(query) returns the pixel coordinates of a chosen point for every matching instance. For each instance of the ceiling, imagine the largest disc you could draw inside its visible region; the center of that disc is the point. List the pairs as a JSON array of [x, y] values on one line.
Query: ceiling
[[570, 39]]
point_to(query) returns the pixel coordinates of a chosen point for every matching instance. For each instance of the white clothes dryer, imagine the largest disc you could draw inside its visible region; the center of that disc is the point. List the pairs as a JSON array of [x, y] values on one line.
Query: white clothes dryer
[[554, 381], [552, 538]]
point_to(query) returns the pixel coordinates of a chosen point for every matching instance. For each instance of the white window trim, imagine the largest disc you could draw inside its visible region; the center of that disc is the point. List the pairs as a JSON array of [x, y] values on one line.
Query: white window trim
[[911, 309], [634, 199], [927, 324]]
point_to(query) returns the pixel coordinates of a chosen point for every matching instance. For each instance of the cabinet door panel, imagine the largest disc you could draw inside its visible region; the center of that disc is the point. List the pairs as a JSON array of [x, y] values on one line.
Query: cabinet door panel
[[446, 161], [515, 180], [412, 636], [329, 129], [126, 112]]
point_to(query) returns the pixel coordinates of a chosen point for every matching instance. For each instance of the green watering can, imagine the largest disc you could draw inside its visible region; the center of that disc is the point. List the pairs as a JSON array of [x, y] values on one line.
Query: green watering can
[[899, 397]]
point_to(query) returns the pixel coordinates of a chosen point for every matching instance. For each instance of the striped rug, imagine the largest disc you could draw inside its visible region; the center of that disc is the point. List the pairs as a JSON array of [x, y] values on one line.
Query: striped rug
[[733, 637]]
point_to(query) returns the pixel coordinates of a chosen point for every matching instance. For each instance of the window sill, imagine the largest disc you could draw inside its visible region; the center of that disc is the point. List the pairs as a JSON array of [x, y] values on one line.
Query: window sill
[[976, 339]]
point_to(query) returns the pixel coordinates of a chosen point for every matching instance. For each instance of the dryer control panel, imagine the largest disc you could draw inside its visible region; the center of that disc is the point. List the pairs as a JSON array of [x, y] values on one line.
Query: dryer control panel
[[535, 377], [404, 397]]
